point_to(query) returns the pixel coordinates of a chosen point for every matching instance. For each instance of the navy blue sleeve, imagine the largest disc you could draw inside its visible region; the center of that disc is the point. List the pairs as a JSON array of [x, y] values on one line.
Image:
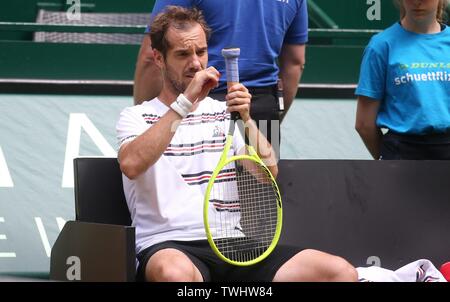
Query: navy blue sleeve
[[298, 30]]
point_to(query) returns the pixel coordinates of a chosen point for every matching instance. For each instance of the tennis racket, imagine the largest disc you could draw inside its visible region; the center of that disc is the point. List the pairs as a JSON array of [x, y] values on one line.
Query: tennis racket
[[242, 207]]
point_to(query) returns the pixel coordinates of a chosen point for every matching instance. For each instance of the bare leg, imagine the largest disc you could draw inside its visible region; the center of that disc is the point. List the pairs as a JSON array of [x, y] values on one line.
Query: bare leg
[[171, 265], [316, 266]]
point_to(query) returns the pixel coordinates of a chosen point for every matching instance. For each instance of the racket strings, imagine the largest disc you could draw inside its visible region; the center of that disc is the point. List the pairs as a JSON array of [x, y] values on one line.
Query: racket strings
[[245, 212]]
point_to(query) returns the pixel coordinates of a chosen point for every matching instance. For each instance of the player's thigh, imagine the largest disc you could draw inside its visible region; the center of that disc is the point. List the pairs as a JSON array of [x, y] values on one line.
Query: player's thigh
[[171, 262]]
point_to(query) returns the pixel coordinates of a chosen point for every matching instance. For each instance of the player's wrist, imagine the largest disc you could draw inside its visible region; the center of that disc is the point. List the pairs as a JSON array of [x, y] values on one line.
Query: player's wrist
[[188, 96], [247, 119], [182, 106]]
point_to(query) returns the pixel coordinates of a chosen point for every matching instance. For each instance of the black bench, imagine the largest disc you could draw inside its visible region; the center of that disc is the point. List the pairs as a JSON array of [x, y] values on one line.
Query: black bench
[[386, 213]]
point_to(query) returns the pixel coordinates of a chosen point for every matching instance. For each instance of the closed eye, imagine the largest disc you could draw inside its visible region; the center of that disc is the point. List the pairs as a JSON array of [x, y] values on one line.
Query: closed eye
[[182, 54], [201, 52]]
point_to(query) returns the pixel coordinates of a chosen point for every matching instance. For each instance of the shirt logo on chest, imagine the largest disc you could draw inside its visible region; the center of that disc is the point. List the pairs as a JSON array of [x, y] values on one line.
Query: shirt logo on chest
[[218, 132]]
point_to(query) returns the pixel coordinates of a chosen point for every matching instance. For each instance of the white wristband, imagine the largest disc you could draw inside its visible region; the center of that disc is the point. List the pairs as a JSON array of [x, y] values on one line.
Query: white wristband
[[182, 106]]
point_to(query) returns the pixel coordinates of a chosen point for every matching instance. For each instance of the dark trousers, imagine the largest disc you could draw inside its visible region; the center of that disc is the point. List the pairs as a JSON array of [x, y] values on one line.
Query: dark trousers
[[416, 147], [264, 110]]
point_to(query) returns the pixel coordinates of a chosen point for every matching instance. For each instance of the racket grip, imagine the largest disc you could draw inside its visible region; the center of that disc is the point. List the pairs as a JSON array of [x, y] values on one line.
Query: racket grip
[[231, 55]]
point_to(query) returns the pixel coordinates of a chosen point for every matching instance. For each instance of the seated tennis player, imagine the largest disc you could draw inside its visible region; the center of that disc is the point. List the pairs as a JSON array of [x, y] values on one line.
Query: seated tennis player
[[169, 147]]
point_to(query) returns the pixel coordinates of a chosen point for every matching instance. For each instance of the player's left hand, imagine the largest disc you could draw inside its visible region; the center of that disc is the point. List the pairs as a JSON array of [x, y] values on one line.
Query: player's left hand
[[239, 100]]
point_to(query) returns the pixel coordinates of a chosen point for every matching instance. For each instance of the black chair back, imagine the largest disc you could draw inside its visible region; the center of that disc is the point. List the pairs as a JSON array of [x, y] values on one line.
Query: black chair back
[[99, 193]]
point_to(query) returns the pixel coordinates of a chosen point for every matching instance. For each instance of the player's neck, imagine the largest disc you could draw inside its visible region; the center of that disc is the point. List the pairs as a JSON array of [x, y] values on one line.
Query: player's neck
[[422, 26], [167, 97]]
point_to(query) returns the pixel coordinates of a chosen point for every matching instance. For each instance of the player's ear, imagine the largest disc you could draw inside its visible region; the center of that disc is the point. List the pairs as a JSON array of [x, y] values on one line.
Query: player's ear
[[159, 58]]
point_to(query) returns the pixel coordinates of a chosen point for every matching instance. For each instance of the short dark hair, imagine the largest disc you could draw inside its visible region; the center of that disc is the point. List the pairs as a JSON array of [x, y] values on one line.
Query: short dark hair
[[179, 17]]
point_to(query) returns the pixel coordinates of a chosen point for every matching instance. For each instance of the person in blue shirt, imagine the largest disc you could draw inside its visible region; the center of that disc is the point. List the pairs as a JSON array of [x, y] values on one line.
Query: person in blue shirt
[[404, 86], [265, 31]]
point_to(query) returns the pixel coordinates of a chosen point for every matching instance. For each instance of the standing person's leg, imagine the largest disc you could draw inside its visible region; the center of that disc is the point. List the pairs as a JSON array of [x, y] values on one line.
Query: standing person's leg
[[439, 151], [264, 111], [434, 146], [316, 266], [392, 148], [269, 125]]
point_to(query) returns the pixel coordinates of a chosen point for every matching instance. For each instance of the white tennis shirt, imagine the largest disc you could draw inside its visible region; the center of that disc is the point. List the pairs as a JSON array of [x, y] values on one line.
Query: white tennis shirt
[[166, 201]]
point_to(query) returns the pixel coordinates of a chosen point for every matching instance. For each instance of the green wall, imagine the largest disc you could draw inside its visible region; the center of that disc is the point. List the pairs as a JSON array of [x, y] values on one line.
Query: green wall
[[331, 57], [346, 13], [26, 10], [353, 13]]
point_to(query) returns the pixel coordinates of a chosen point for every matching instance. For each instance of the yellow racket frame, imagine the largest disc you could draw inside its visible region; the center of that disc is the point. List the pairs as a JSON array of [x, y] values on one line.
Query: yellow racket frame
[[253, 156]]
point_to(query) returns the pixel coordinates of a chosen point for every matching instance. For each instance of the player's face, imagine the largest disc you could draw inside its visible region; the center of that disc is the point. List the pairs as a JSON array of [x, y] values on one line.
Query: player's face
[[187, 54], [421, 10]]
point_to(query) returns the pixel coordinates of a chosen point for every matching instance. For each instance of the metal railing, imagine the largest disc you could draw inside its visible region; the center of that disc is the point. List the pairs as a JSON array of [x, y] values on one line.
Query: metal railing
[[340, 33]]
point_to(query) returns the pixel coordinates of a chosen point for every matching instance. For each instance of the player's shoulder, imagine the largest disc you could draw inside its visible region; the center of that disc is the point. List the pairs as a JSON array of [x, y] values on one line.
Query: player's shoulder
[[146, 107]]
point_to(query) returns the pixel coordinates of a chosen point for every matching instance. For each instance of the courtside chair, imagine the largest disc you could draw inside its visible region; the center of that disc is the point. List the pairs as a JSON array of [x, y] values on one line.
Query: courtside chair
[[100, 244]]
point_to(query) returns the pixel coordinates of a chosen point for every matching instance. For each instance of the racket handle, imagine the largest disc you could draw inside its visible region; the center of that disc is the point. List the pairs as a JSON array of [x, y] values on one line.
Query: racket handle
[[231, 55]]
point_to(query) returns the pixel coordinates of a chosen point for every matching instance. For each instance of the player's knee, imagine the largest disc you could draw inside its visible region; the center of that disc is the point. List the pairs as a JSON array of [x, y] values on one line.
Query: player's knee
[[172, 271], [343, 271]]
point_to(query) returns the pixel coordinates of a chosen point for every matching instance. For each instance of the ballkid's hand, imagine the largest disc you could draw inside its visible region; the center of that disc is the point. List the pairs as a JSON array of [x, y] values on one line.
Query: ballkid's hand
[[201, 84], [239, 99]]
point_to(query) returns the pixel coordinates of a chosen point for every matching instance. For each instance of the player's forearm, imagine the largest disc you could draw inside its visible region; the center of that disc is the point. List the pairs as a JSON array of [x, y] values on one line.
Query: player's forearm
[[371, 136], [292, 61], [138, 155], [290, 77], [262, 146], [366, 125]]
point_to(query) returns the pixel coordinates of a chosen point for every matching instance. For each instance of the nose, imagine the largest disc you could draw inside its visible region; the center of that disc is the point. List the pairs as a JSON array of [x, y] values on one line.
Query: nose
[[195, 62]]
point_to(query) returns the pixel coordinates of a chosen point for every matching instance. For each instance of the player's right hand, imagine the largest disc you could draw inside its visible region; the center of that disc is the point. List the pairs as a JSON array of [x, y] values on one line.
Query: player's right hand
[[201, 84]]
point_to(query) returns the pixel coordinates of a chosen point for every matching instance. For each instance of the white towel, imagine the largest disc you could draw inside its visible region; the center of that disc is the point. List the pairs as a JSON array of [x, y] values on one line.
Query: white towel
[[418, 271]]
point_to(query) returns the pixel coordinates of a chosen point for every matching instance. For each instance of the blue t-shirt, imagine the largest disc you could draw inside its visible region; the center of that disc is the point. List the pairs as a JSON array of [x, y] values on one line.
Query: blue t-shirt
[[258, 27], [409, 73]]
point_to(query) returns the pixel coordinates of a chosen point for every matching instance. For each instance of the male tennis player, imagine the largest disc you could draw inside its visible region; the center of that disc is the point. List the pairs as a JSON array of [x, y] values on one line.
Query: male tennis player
[[168, 149]]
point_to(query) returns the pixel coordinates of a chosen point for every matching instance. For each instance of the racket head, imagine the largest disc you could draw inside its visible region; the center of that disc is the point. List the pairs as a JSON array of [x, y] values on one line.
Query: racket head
[[242, 210]]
